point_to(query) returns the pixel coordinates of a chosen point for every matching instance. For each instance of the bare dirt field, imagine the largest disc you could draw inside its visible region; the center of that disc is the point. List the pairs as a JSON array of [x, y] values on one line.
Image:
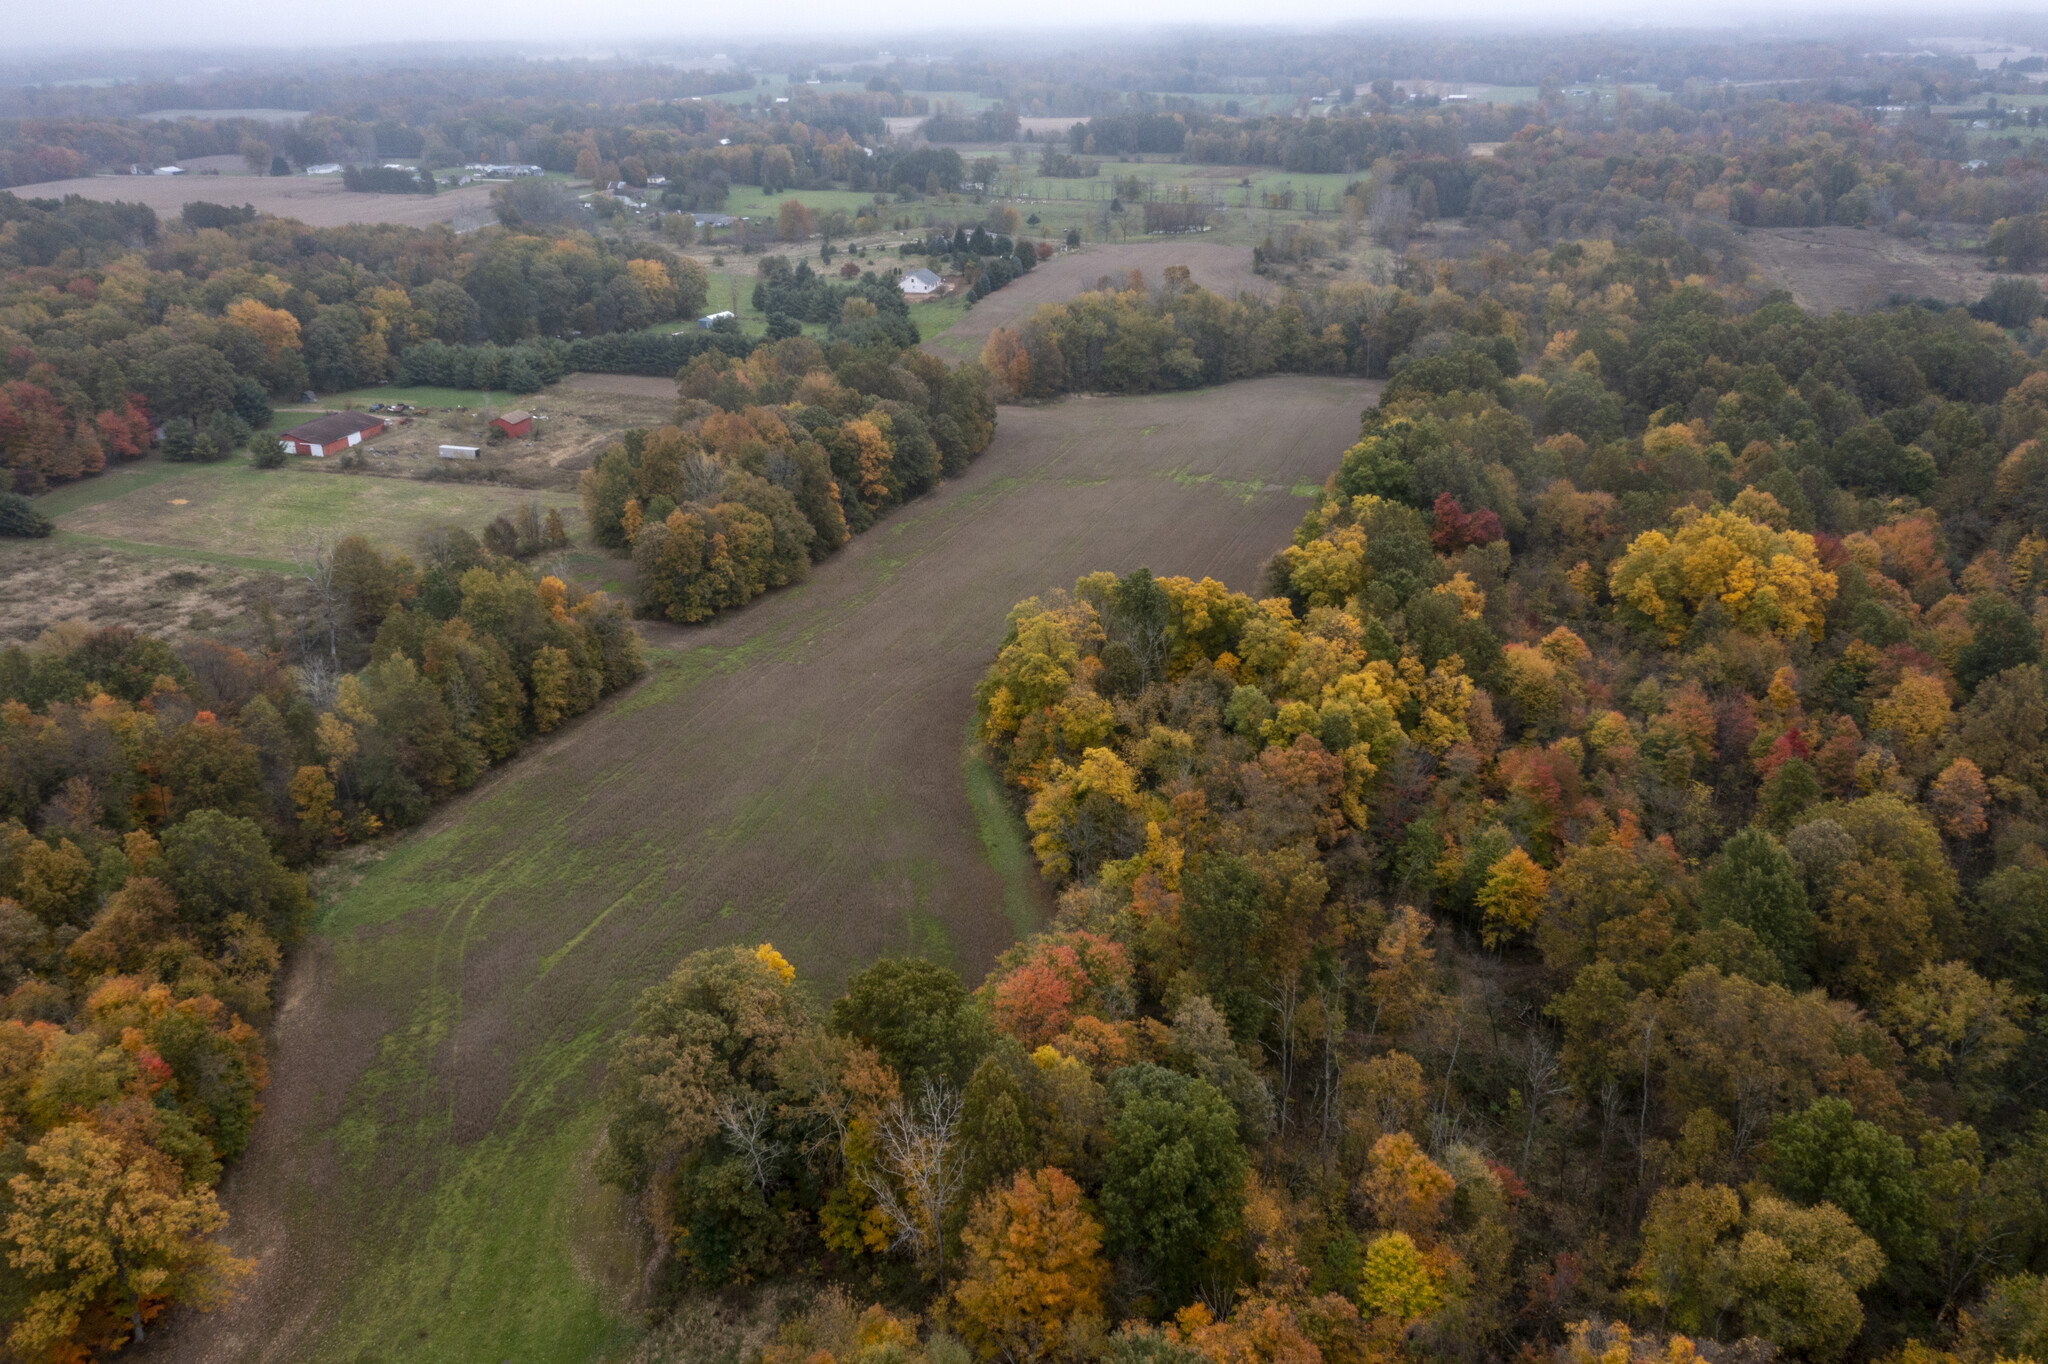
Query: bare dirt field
[[1831, 268], [1219, 268], [62, 579], [319, 202], [798, 771], [628, 385]]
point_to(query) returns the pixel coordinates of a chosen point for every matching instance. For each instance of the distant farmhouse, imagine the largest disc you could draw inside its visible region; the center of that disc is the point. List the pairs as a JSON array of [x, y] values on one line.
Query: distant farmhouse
[[919, 282], [331, 434]]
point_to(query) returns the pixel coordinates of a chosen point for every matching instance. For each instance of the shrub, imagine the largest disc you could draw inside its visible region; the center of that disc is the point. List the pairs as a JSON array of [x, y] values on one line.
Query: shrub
[[20, 519]]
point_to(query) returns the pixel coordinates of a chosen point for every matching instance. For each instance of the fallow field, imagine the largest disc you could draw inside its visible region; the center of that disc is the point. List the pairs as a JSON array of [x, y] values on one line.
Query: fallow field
[[318, 201], [1222, 269], [419, 1186]]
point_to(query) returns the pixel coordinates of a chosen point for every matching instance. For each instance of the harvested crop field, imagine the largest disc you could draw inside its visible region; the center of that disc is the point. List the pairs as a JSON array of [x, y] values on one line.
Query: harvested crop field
[[318, 202], [628, 385], [419, 1186], [1222, 269], [1830, 268]]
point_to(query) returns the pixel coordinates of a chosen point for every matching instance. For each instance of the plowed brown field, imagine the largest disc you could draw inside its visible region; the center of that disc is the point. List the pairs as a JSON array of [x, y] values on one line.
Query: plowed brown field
[[316, 201], [419, 1184]]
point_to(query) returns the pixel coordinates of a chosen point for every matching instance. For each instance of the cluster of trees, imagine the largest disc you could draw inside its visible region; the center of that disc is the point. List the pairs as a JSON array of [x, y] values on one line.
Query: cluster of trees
[[803, 295], [1602, 878], [113, 323], [1586, 296], [774, 460], [157, 805], [1766, 164], [389, 180], [1136, 339]]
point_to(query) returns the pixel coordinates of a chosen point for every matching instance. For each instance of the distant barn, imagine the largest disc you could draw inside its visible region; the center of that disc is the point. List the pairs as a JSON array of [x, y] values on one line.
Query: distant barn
[[515, 423], [330, 434]]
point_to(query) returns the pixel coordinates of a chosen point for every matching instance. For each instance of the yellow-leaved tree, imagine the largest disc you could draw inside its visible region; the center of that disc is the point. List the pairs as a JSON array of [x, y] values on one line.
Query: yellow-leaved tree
[[120, 1235], [1766, 580]]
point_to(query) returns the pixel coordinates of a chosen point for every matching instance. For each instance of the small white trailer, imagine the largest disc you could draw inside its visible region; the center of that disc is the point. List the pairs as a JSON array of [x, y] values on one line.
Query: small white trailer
[[458, 452]]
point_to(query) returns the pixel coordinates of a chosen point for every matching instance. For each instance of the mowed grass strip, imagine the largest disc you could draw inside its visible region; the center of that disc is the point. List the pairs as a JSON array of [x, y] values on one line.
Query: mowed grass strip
[[794, 772], [232, 512]]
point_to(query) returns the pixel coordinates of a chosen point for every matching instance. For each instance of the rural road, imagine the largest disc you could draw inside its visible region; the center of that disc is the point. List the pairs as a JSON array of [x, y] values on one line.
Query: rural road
[[419, 1183]]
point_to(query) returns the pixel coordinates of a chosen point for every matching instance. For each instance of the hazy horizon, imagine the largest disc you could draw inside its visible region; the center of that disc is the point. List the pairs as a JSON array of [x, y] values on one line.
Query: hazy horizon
[[153, 36]]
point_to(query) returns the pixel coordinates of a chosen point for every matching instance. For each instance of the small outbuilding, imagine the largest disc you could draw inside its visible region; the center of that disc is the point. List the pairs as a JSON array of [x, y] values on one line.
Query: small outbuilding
[[514, 423], [710, 320], [331, 434], [919, 283], [458, 452]]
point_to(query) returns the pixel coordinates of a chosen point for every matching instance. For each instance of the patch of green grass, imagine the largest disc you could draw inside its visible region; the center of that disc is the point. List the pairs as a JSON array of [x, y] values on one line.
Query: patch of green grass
[[1002, 839], [747, 201], [232, 512], [936, 318]]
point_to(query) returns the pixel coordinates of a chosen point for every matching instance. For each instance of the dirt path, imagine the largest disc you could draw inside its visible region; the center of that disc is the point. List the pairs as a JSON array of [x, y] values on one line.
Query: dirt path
[[418, 1187]]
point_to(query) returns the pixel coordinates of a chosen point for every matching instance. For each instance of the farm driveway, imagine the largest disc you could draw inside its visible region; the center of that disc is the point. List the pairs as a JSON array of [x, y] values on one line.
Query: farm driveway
[[419, 1184]]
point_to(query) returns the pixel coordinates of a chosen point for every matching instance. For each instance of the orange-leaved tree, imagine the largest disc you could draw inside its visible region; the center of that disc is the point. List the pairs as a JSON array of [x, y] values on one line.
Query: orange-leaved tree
[[1033, 1284]]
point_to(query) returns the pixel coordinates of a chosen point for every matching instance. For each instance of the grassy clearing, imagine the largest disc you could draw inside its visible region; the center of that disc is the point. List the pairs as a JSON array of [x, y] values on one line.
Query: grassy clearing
[[233, 513], [749, 201]]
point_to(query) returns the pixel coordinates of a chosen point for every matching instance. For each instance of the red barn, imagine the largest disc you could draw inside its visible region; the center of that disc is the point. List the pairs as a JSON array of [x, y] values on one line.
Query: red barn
[[331, 434], [515, 423]]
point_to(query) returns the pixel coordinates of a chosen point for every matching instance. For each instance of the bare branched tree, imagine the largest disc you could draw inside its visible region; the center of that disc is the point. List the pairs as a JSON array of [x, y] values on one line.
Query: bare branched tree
[[315, 563], [921, 1171], [1389, 216], [319, 678], [1540, 1078], [749, 1125]]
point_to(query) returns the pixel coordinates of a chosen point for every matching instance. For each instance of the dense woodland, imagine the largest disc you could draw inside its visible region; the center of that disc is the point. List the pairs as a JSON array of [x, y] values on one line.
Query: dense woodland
[[112, 322], [1594, 901], [159, 808]]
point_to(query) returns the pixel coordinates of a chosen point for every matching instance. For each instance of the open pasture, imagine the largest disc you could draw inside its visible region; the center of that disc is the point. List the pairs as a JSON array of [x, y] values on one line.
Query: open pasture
[[235, 515], [419, 1187]]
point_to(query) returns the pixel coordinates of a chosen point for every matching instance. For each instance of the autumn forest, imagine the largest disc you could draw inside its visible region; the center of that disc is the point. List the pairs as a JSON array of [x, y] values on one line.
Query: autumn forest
[[1581, 898]]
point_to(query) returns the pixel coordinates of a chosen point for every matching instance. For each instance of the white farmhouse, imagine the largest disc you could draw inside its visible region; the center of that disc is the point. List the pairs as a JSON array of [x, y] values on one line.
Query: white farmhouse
[[919, 283]]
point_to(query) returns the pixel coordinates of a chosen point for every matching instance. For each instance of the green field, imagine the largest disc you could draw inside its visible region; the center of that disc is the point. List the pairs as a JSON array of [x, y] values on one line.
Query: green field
[[233, 513]]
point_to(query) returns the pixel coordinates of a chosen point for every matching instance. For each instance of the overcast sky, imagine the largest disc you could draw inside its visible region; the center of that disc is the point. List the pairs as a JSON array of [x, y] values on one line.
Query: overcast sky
[[552, 27]]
